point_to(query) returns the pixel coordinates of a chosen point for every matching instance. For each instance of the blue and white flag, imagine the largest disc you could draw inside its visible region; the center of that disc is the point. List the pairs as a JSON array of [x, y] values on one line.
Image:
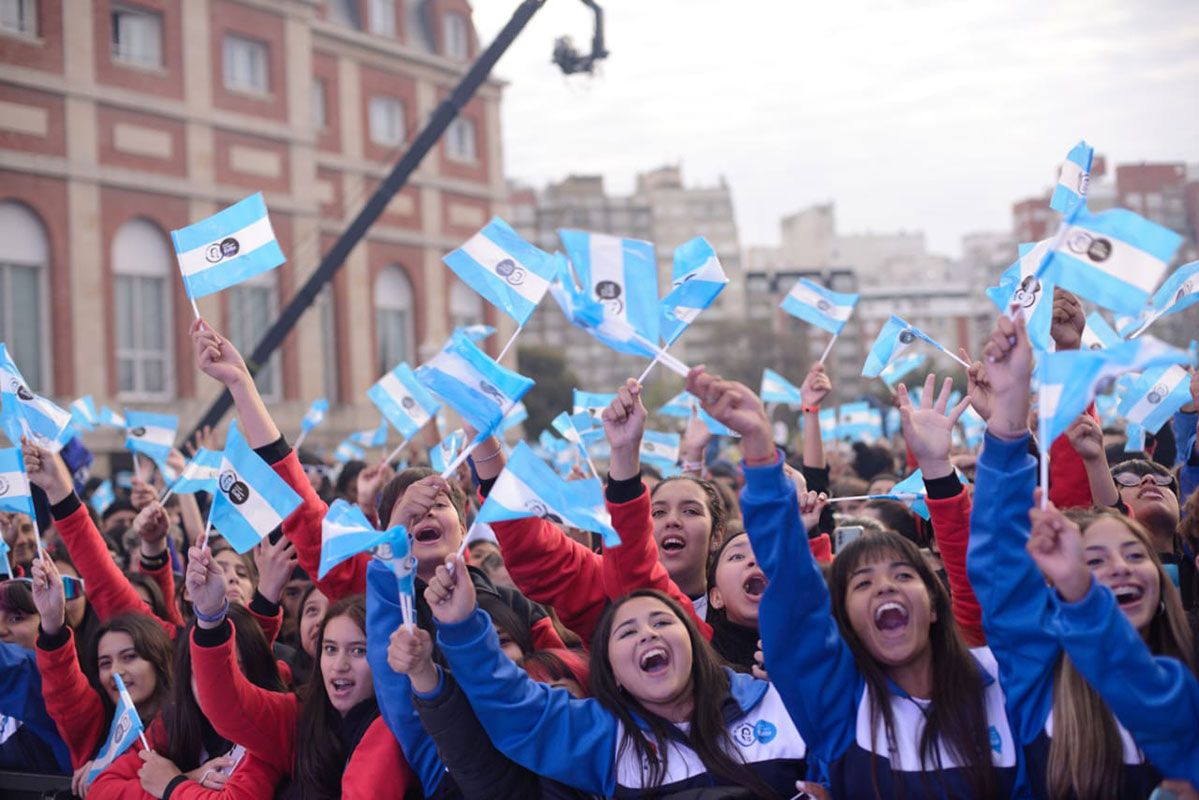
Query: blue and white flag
[[1070, 379], [229, 247], [621, 274], [102, 497], [371, 437], [402, 399], [1177, 293], [1023, 285], [447, 450], [528, 487], [1134, 438], [696, 281], [1156, 396], [516, 415], [684, 404], [26, 414], [895, 337], [473, 384], [315, 414], [592, 403], [510, 273], [911, 492], [821, 307], [660, 449], [125, 729], [110, 418], [859, 421], [346, 532], [15, 495], [1098, 334], [151, 434], [83, 414], [251, 499], [777, 389], [901, 367], [1073, 179], [199, 474], [1114, 258], [476, 333], [348, 451]]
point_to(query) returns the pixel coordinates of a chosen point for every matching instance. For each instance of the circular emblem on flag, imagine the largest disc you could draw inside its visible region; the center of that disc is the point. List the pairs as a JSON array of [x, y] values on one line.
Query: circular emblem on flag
[[492, 392], [509, 271], [24, 393], [229, 247], [1028, 292], [212, 253], [3, 487], [648, 447], [1096, 346], [1099, 250], [541, 510], [237, 491], [407, 402], [906, 337], [744, 734], [1079, 241], [608, 293], [823, 305], [137, 432], [1157, 394]]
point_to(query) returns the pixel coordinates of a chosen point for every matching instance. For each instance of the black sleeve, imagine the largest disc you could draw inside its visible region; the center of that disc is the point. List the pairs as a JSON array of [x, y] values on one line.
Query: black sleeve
[[942, 488], [260, 605], [817, 478], [212, 637], [623, 491], [485, 485], [274, 452], [66, 507]]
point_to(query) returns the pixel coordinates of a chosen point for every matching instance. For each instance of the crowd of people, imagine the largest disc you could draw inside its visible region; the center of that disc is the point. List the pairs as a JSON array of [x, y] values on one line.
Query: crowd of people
[[1005, 647]]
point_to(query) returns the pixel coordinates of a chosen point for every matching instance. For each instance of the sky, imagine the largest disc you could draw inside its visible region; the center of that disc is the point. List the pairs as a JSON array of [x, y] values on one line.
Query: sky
[[932, 115]]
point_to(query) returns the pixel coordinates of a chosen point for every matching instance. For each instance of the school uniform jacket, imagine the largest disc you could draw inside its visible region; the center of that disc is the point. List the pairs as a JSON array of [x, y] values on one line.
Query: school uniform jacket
[[1019, 616], [577, 742], [265, 722], [21, 698], [815, 673]]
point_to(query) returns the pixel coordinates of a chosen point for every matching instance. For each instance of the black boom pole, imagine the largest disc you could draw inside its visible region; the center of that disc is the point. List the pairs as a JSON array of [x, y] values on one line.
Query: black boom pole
[[395, 180]]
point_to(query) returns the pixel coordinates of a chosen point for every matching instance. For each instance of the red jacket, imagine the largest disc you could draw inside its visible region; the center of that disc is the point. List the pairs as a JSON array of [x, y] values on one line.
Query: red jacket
[[75, 707], [1069, 486], [253, 779], [265, 724], [951, 527]]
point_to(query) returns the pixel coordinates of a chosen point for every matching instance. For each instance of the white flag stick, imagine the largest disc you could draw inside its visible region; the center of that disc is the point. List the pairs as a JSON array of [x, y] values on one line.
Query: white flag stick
[[461, 457], [196, 309], [407, 610], [170, 490], [859, 497], [207, 527], [395, 453], [641, 380], [299, 440], [958, 359], [828, 347], [511, 339]]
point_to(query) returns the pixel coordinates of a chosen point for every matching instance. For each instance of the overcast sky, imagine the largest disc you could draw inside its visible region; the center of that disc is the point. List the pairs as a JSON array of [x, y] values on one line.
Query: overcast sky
[[930, 115]]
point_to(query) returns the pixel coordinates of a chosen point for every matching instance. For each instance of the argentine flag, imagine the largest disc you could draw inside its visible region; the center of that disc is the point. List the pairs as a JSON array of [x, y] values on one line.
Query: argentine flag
[[477, 333], [14, 483], [125, 729], [1156, 396], [1073, 179], [1177, 293], [152, 434], [83, 414], [528, 487], [859, 421], [402, 399], [371, 437], [696, 281], [1114, 258], [911, 492], [818, 306], [229, 247], [827, 421], [621, 275], [592, 404], [346, 532], [473, 384], [348, 451], [200, 474], [516, 415], [1098, 334], [895, 337], [315, 415], [102, 497], [682, 405], [1022, 284], [777, 389], [900, 367], [447, 450], [1134, 438], [660, 449], [251, 500], [110, 418], [26, 414], [508, 271]]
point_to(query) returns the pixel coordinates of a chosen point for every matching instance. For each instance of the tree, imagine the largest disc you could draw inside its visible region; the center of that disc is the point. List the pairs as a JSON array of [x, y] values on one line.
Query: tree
[[553, 393]]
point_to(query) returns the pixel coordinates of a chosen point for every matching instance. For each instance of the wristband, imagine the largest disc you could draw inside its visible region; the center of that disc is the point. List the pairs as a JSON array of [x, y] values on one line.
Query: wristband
[[217, 617], [810, 409], [693, 466], [478, 460]]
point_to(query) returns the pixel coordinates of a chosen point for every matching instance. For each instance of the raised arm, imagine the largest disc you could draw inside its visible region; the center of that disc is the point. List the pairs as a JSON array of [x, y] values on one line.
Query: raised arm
[[1078, 456], [816, 386], [151, 526]]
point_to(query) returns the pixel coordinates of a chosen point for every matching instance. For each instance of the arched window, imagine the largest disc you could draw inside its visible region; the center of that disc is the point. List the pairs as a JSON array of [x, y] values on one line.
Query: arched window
[[252, 307], [142, 263], [395, 328], [466, 305], [23, 266], [328, 321]]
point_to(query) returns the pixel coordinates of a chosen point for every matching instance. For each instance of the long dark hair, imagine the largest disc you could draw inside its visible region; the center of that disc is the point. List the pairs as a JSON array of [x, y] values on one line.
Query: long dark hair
[[150, 641], [182, 718], [957, 716], [157, 603], [506, 619], [716, 507], [320, 757], [708, 736]]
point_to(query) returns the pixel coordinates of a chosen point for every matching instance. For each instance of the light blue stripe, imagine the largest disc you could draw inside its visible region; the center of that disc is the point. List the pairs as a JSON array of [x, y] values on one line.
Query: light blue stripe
[[1122, 224], [395, 413], [315, 414], [1163, 298], [240, 215], [811, 315], [496, 290], [790, 393], [233, 271], [261, 479], [1079, 277]]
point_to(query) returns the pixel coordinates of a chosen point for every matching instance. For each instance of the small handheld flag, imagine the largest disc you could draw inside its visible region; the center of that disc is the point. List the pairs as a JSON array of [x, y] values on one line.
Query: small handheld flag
[[403, 400], [912, 492], [777, 389], [102, 497], [621, 275], [346, 532], [314, 416], [447, 450], [660, 449], [371, 437], [900, 367], [477, 333], [507, 271], [684, 404], [1177, 293], [1098, 334], [229, 247], [1156, 396], [200, 474], [473, 384], [859, 421], [15, 495], [26, 414], [126, 728], [895, 337], [348, 451], [83, 414], [697, 280], [592, 403], [818, 306], [1073, 179], [110, 418], [1024, 285], [251, 500], [152, 434]]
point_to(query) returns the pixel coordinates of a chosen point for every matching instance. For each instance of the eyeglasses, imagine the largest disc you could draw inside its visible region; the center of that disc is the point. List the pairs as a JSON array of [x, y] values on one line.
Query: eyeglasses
[[72, 587], [1133, 479]]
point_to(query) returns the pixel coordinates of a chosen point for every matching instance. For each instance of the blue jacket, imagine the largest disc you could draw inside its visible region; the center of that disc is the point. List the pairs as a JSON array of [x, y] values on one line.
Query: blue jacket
[[1187, 459], [577, 742], [1020, 615], [21, 699], [815, 672]]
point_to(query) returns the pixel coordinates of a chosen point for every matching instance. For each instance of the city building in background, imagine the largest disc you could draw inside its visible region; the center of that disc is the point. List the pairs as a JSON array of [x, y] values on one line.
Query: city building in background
[[122, 121]]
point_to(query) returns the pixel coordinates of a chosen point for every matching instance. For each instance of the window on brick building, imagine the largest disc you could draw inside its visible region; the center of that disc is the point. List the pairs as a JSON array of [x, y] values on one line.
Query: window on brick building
[[466, 305], [460, 140], [20, 17], [456, 31], [143, 265], [320, 114], [386, 121], [383, 17], [345, 12], [246, 65], [23, 266], [136, 36], [329, 357], [395, 328], [252, 305]]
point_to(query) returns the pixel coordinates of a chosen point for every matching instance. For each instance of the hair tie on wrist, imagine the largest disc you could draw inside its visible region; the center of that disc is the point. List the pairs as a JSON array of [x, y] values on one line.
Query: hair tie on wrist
[[217, 617]]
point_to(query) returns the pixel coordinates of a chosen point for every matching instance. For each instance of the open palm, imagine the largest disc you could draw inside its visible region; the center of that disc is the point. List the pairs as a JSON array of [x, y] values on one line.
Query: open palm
[[927, 429]]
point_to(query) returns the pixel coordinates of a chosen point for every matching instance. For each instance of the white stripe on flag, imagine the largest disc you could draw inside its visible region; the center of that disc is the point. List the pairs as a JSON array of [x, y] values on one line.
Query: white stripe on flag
[[459, 368], [1124, 262], [249, 239], [607, 264], [164, 437], [1071, 176], [14, 484], [397, 391], [1166, 384], [489, 254], [822, 304], [199, 472], [515, 495], [254, 509], [1048, 398]]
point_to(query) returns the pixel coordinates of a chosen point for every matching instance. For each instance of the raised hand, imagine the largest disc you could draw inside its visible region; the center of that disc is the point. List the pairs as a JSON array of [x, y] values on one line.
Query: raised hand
[[151, 526], [1056, 546], [370, 482], [47, 470], [624, 425], [451, 595], [1086, 437], [811, 506], [142, 494], [739, 408], [695, 440], [205, 438], [205, 584], [1007, 361], [927, 430], [275, 563], [418, 499], [1069, 320], [216, 356], [410, 652], [816, 386], [48, 595], [978, 386]]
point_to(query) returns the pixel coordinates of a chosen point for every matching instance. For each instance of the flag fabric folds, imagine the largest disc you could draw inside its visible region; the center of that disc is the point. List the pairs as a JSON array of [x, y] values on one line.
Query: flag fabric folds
[[696, 281], [620, 274], [371, 437], [315, 414], [660, 449], [110, 418], [403, 400], [821, 307], [477, 333], [199, 474], [901, 367], [777, 389], [528, 487], [1177, 293], [346, 532], [83, 414], [473, 384], [24, 413], [895, 337], [507, 271], [1114, 258], [1073, 179], [125, 729], [1154, 397], [102, 497], [151, 434], [684, 404], [911, 492], [516, 415], [348, 451], [447, 450], [1023, 284], [15, 494], [1098, 334], [229, 247], [251, 499], [592, 403]]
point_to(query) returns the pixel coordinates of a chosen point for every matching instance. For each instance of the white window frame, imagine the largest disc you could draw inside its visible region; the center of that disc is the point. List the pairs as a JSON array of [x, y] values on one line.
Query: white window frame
[[141, 42], [320, 107], [29, 249], [394, 294], [149, 269], [382, 15], [330, 374], [460, 141], [258, 63], [19, 18], [455, 33], [244, 334], [384, 115]]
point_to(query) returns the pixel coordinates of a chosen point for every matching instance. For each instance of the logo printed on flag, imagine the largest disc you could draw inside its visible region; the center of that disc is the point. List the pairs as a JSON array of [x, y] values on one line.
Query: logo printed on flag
[[229, 247], [895, 337], [251, 499], [819, 306], [1073, 179], [1155, 396], [620, 274], [24, 413], [698, 279], [125, 729], [473, 384], [403, 400], [15, 495]]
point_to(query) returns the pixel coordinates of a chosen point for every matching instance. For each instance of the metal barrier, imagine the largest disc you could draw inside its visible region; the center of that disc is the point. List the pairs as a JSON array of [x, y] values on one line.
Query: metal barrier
[[30, 786]]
